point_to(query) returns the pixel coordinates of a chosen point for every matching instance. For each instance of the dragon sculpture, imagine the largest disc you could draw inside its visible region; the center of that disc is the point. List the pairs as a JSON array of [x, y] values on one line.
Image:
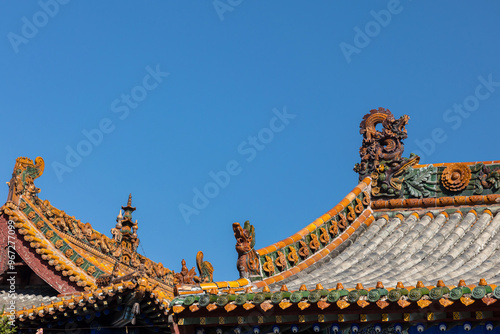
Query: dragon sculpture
[[381, 152], [248, 259]]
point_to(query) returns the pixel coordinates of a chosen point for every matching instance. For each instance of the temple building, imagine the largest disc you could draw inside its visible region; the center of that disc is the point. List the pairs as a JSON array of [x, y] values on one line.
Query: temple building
[[412, 248]]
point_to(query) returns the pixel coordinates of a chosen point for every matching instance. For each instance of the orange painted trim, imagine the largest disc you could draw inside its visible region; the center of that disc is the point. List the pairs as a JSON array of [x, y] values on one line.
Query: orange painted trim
[[410, 203], [318, 222], [278, 278], [280, 244], [243, 281], [356, 224], [365, 218], [334, 244], [206, 286], [260, 284], [269, 281], [233, 284], [311, 228], [222, 285], [369, 221], [446, 164]]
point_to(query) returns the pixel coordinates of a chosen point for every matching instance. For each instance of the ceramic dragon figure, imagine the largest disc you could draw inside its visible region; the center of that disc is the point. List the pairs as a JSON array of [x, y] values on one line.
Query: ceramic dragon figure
[[248, 259], [381, 152]]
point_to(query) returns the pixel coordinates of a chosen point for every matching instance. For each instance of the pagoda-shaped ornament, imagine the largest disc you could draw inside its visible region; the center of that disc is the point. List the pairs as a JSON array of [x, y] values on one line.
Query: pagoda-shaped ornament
[[126, 228]]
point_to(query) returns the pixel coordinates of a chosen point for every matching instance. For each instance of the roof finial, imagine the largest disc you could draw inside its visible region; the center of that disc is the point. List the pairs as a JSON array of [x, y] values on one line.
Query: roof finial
[[129, 203]]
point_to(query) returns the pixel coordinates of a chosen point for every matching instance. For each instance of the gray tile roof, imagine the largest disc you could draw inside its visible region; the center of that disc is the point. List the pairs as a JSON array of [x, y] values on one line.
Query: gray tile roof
[[428, 249], [29, 296]]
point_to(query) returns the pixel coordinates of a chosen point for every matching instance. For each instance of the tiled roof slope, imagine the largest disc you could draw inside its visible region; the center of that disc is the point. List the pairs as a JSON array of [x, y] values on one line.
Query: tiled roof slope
[[29, 296], [69, 255], [411, 248]]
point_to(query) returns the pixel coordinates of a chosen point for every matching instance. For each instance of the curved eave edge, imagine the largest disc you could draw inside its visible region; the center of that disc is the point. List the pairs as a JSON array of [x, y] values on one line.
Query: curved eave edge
[[318, 222], [365, 217]]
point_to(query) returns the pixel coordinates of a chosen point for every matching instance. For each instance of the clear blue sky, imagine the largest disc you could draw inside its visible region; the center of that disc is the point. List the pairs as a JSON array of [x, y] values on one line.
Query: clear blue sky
[[233, 66]]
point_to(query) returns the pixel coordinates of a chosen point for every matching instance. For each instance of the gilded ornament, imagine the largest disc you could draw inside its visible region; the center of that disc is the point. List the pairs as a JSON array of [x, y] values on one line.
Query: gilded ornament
[[247, 306], [362, 303], [266, 306], [342, 304], [211, 307], [79, 261], [359, 206], [366, 198], [424, 303], [230, 307], [324, 237], [303, 250], [68, 252], [343, 221], [59, 243], [178, 308], [314, 243], [49, 234], [334, 229], [281, 260], [382, 304], [22, 205], [40, 224], [456, 177], [445, 302], [403, 303], [303, 305], [323, 304], [351, 215], [292, 255], [488, 300], [466, 301], [268, 266], [32, 215], [283, 305], [90, 270]]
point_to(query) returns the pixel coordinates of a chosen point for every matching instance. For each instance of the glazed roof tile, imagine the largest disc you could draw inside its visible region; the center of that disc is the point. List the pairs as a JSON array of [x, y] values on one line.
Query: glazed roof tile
[[29, 296], [426, 248]]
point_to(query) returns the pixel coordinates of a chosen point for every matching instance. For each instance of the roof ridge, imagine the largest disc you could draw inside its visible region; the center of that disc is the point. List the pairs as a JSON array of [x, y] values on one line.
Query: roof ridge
[[319, 221]]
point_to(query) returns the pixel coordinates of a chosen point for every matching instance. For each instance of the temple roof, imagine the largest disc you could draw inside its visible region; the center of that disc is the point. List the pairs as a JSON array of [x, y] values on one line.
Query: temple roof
[[411, 235], [408, 234], [427, 248]]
